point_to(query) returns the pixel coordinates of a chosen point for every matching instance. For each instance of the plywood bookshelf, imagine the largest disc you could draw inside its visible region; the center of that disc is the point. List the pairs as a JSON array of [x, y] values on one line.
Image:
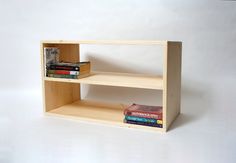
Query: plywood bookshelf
[[62, 97]]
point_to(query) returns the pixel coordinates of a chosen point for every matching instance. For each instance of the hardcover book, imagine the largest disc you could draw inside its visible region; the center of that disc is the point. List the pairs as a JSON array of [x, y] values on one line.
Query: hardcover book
[[62, 76], [79, 66], [63, 72], [145, 111], [68, 70], [141, 119], [143, 123], [51, 55]]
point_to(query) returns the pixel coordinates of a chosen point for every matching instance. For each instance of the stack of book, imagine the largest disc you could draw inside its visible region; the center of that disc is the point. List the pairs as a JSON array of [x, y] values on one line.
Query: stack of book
[[144, 115], [68, 70], [59, 69]]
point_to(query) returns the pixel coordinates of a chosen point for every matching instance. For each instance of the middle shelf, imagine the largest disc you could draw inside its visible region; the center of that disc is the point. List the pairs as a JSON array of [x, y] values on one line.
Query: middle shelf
[[117, 79]]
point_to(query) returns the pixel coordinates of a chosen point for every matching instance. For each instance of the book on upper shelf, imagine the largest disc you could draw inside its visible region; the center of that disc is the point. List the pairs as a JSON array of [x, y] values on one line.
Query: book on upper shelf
[[70, 66], [68, 70], [63, 72], [51, 55]]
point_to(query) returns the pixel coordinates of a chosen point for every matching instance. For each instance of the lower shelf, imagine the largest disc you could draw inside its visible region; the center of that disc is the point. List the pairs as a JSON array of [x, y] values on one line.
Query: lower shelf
[[96, 112]]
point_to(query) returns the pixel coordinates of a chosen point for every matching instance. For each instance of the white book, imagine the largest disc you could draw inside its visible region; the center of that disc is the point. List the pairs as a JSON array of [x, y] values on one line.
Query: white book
[[51, 56]]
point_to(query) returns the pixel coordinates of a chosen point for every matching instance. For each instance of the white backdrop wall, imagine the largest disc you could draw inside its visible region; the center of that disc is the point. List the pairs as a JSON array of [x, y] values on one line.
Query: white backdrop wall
[[207, 124], [207, 29]]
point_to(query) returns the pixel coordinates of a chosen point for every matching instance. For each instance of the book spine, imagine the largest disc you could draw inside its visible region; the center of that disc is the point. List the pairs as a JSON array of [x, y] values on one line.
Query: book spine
[[69, 68], [141, 119], [63, 72], [143, 114], [62, 76], [143, 123]]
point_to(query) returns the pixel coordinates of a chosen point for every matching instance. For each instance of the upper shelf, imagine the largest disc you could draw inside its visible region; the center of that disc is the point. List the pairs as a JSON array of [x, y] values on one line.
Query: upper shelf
[[111, 42], [117, 79]]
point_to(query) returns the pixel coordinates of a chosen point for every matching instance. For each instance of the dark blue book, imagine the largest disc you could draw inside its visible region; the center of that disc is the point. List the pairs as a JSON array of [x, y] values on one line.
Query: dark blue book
[[79, 66], [141, 119], [143, 123]]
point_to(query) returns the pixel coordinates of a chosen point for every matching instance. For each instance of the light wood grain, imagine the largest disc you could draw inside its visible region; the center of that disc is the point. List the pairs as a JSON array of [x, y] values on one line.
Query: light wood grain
[[111, 42], [68, 52], [117, 79], [97, 112], [172, 82], [59, 95]]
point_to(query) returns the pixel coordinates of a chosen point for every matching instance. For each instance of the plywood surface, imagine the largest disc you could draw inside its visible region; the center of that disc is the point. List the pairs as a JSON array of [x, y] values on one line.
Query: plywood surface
[[117, 79], [58, 94], [172, 82], [96, 112], [115, 42]]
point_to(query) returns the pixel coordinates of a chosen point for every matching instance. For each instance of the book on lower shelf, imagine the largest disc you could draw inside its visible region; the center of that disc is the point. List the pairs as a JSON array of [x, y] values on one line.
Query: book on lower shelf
[[144, 115]]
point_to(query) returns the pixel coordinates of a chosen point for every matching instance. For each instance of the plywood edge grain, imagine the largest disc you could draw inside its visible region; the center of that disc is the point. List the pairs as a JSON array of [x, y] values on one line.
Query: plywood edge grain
[[117, 79], [104, 122], [115, 42], [172, 82]]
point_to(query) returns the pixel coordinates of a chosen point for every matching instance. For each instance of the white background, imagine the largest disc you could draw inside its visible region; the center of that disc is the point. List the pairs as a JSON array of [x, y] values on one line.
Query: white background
[[204, 132]]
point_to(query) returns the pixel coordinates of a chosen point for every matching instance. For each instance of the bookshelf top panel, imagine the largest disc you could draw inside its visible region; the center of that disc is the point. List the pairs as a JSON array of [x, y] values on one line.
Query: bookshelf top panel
[[109, 42], [117, 79]]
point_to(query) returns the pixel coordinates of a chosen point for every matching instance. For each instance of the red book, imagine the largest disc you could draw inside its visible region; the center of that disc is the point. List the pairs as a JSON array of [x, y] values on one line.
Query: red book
[[63, 72], [144, 111]]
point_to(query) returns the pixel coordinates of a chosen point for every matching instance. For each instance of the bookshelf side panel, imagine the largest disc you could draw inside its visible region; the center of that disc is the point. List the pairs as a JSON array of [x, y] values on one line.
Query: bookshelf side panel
[[172, 81]]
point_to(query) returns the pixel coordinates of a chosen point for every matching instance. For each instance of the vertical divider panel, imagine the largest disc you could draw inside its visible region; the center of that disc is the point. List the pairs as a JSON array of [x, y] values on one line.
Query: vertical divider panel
[[172, 82], [58, 94]]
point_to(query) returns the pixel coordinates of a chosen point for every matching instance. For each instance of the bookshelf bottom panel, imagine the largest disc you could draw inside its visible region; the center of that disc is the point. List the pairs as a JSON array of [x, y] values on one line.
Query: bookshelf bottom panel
[[96, 112]]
